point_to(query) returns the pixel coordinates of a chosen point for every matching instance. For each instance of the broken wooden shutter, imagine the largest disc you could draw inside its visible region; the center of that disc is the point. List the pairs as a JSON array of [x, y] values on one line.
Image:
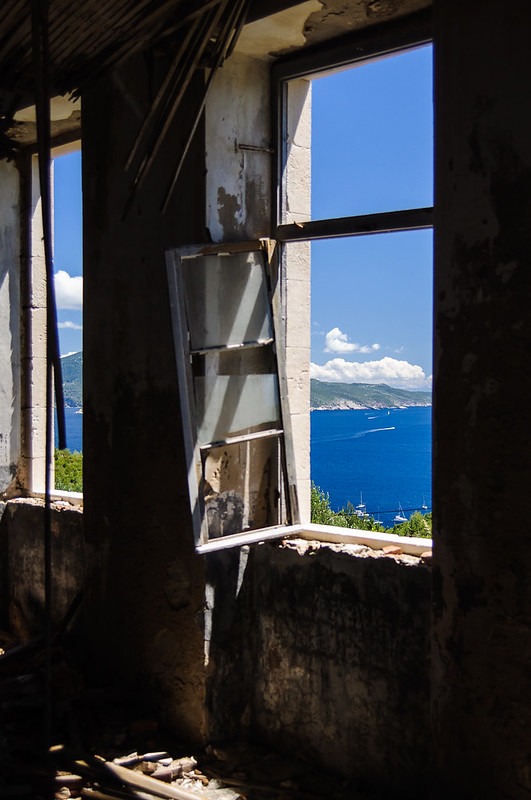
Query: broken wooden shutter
[[236, 424]]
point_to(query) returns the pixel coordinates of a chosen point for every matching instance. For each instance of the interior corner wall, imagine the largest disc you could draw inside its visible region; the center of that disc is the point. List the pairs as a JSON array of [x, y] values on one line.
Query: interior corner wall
[[145, 593], [481, 701], [10, 399]]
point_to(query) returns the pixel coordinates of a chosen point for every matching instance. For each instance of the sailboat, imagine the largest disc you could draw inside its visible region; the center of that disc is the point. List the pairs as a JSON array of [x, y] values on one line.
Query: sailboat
[[400, 516], [361, 510], [424, 506]]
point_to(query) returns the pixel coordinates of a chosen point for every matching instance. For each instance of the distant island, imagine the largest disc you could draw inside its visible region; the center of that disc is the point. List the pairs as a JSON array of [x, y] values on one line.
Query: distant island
[[72, 369], [323, 395], [337, 396]]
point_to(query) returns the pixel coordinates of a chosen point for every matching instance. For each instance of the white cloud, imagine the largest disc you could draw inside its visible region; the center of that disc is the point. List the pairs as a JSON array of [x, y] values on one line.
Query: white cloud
[[400, 374], [337, 342], [73, 326], [68, 290]]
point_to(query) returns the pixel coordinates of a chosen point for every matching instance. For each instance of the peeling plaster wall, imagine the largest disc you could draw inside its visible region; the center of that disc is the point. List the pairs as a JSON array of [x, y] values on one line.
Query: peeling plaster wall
[[238, 181], [146, 586], [482, 391], [10, 235]]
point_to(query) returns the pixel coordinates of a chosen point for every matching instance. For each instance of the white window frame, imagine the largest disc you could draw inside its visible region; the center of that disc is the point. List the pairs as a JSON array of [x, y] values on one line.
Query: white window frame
[[260, 253]]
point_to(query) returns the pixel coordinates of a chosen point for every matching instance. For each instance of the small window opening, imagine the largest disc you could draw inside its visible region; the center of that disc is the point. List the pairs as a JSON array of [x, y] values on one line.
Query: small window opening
[[68, 280]]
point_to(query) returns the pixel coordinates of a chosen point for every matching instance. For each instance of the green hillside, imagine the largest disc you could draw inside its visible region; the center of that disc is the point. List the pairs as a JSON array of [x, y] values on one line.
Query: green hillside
[[72, 368], [363, 395]]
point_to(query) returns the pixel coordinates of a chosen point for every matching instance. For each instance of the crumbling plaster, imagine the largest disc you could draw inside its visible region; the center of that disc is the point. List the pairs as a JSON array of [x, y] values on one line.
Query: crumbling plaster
[[337, 17], [316, 21]]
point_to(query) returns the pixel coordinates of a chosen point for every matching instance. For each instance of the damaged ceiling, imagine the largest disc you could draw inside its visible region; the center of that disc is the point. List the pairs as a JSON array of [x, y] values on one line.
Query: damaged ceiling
[[88, 39]]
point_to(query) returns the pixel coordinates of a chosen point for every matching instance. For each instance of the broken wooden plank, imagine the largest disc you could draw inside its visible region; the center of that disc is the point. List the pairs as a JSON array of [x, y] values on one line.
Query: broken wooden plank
[[137, 780]]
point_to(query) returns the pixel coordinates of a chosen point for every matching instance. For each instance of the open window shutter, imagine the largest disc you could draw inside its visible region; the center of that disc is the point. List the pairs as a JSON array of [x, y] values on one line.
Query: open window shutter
[[236, 423]]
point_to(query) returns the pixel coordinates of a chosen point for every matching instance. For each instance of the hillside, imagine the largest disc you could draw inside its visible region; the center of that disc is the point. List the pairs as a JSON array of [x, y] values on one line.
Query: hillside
[[322, 395], [363, 395], [72, 367]]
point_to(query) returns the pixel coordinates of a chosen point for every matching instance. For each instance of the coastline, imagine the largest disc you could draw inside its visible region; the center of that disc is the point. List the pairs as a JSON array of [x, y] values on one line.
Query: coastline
[[350, 405]]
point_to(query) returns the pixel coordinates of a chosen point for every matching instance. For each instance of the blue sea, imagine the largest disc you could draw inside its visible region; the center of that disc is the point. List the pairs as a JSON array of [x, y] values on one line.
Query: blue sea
[[382, 456], [74, 429]]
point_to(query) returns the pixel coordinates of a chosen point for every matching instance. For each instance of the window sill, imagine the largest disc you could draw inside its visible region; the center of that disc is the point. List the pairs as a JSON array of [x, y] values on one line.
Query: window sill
[[409, 545], [74, 498]]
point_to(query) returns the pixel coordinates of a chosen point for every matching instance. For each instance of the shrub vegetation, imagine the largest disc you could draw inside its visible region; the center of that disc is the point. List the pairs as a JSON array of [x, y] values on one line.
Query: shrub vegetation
[[68, 471], [322, 514]]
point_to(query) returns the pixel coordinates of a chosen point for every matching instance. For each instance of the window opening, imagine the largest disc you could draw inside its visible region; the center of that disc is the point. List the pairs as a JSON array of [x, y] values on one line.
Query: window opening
[[370, 142], [68, 279]]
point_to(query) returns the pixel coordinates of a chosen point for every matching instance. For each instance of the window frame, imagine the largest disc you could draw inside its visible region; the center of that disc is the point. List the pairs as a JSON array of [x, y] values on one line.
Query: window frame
[[354, 49], [288, 508]]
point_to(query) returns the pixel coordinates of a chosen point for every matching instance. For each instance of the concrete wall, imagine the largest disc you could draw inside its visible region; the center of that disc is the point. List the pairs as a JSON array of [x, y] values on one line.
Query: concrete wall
[[22, 564], [146, 587], [10, 235], [339, 649], [482, 391], [296, 287], [329, 654]]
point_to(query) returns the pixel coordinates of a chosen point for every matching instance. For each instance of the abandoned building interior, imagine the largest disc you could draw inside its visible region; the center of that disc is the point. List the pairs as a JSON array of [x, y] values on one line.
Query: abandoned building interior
[[197, 579]]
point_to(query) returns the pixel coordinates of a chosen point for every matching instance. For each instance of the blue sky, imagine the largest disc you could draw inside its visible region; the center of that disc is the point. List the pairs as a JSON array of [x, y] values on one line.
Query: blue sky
[[68, 251], [372, 142], [372, 150]]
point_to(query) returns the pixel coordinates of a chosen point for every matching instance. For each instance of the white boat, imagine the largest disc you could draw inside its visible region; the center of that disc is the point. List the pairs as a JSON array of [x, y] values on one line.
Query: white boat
[[361, 510], [424, 506], [400, 516], [79, 411]]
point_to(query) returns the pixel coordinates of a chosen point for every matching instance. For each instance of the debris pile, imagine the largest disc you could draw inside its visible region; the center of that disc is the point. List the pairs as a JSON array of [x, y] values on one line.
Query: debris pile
[[148, 775]]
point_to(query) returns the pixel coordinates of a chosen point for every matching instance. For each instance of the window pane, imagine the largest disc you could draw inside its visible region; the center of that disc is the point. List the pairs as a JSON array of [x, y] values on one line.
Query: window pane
[[236, 392], [226, 299], [372, 354], [240, 485], [372, 137]]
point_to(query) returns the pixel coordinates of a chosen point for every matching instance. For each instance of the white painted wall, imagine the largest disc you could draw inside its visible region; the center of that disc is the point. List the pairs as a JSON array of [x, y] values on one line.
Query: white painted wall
[[9, 324]]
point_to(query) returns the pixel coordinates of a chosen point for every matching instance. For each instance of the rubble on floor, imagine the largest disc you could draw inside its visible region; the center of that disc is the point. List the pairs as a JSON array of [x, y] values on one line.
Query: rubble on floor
[[111, 751]]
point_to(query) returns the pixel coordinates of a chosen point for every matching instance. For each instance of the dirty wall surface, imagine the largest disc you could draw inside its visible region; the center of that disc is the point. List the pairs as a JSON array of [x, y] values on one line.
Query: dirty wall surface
[[331, 644], [482, 392]]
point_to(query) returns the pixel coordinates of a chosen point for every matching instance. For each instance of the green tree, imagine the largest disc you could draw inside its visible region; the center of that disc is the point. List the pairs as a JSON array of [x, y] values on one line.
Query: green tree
[[68, 471], [418, 525]]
